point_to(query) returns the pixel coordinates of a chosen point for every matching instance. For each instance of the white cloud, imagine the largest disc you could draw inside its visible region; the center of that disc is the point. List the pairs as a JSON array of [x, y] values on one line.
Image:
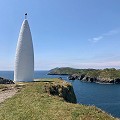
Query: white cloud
[[110, 33], [96, 39]]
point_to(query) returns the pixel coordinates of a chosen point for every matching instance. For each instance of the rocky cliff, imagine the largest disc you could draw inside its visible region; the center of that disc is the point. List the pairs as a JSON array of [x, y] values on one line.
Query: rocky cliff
[[61, 89]]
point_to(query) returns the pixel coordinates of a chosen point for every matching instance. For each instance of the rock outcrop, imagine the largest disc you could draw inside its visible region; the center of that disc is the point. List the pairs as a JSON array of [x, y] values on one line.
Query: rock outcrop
[[107, 75], [86, 78], [61, 89], [5, 81]]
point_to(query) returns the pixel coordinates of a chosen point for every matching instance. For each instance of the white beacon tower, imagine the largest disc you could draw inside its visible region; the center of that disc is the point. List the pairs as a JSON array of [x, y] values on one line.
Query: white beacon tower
[[24, 58]]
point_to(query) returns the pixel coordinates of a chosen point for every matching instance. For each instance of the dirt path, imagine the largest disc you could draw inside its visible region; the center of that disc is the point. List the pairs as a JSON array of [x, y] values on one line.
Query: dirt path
[[7, 94]]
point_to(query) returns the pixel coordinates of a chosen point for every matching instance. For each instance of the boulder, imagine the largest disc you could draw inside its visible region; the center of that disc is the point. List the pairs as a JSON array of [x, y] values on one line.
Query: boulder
[[117, 81], [71, 77], [5, 81], [81, 77]]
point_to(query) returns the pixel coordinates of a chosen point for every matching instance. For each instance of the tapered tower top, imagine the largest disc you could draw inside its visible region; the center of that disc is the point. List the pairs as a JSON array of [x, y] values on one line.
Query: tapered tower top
[[25, 15], [24, 58]]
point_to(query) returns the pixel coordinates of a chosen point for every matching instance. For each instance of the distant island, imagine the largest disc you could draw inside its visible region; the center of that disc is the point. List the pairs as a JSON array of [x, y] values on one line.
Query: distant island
[[108, 75]]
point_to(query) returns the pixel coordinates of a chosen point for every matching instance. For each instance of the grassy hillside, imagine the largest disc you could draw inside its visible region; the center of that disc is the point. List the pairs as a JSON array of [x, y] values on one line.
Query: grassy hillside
[[63, 70], [111, 73], [34, 103], [68, 71], [105, 75]]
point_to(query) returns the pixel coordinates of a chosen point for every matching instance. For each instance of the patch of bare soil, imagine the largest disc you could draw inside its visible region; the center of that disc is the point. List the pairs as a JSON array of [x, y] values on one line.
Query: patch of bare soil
[[7, 93]]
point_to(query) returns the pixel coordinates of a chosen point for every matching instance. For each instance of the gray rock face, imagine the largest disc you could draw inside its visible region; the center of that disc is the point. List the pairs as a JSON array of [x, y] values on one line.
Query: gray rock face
[[5, 81], [62, 89], [86, 78]]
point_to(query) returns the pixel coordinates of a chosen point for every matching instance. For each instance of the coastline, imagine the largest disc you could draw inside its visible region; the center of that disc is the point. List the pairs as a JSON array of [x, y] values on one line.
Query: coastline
[[86, 89], [107, 75], [47, 103]]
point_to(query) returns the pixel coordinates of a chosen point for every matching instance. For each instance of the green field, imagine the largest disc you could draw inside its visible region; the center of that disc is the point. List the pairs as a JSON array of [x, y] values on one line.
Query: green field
[[32, 102]]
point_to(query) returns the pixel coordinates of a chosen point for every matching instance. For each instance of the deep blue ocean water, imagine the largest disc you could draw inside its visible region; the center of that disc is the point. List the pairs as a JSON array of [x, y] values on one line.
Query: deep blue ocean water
[[104, 96]]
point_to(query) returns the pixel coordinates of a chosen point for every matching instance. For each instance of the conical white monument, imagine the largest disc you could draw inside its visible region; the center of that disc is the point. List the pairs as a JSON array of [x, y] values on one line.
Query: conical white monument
[[24, 58]]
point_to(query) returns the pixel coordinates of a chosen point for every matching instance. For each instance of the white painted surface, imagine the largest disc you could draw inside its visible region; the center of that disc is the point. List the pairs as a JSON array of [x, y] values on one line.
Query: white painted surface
[[24, 59]]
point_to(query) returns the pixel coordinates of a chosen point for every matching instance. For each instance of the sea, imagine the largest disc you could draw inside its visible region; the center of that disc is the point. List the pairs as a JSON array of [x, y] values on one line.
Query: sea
[[103, 96]]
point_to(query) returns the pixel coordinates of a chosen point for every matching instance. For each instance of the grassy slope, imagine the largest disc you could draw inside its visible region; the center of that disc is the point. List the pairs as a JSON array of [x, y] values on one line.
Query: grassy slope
[[32, 103], [68, 70], [63, 70], [110, 73]]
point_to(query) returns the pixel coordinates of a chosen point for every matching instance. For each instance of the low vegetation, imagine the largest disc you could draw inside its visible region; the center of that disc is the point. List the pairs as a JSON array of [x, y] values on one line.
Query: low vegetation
[[33, 102], [110, 75], [63, 71], [109, 72], [2, 86], [69, 71]]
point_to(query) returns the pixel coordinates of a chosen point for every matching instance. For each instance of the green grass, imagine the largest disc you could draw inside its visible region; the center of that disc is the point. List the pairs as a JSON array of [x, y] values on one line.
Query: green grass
[[110, 73], [33, 103]]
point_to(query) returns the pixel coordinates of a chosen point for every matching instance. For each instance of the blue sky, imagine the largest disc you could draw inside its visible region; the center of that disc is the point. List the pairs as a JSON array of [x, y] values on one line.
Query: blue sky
[[73, 33]]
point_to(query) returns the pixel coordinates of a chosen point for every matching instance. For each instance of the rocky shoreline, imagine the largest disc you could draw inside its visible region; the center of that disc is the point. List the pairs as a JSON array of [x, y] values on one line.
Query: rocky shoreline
[[107, 75], [6, 81], [86, 78]]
